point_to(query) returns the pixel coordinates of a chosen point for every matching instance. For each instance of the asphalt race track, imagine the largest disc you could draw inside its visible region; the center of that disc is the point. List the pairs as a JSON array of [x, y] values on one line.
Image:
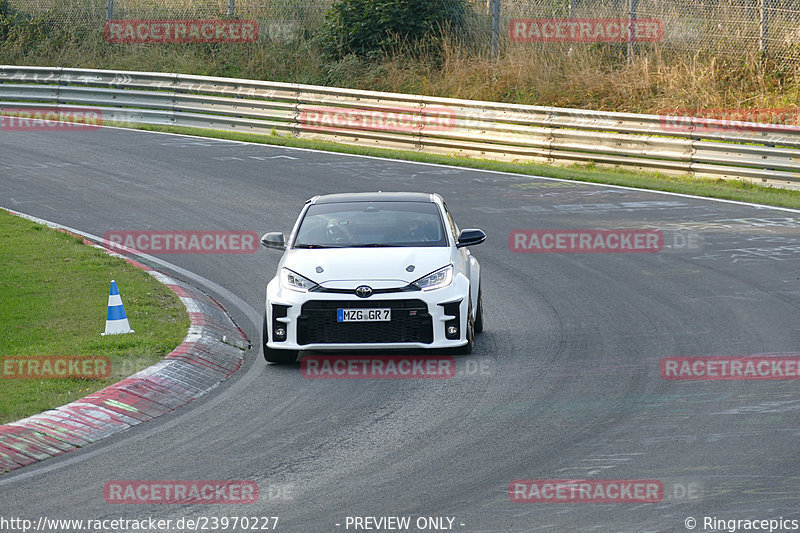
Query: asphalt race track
[[563, 384]]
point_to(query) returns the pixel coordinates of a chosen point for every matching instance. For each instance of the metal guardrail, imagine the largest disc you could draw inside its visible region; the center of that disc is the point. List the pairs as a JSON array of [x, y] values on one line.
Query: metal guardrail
[[763, 153]]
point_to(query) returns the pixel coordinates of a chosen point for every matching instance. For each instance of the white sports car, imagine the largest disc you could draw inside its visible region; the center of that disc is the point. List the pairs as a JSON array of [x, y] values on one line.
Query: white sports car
[[373, 271]]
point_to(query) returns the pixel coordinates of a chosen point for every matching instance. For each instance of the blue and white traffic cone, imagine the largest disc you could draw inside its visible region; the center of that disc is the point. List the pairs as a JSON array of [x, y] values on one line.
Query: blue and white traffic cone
[[116, 320]]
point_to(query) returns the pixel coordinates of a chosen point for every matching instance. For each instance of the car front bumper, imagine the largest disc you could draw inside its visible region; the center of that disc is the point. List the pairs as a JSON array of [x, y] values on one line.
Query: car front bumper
[[420, 319]]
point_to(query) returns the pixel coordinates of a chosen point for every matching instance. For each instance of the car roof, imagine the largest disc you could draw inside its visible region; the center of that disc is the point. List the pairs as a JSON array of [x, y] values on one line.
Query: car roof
[[374, 197]]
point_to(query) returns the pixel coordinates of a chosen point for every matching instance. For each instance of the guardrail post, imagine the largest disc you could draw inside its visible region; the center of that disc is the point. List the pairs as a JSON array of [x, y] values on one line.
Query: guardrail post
[[110, 10], [495, 27], [298, 113]]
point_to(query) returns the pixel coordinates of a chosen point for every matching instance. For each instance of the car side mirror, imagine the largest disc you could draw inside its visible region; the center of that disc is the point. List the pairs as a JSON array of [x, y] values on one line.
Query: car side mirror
[[470, 237], [274, 239]]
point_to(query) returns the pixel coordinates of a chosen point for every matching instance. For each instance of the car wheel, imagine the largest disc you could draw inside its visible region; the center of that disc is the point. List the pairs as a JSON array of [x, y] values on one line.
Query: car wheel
[[479, 314], [467, 348], [275, 356]]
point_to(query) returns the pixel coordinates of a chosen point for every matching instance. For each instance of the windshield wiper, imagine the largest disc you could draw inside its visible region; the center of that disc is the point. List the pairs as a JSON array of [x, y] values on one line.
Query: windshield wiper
[[316, 246]]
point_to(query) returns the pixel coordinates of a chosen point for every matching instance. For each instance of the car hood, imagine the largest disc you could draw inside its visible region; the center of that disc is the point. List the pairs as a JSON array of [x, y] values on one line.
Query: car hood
[[383, 267]]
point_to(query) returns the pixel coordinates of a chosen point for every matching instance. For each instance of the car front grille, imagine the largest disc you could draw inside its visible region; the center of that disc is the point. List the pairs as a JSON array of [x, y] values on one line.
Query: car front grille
[[407, 288], [410, 322]]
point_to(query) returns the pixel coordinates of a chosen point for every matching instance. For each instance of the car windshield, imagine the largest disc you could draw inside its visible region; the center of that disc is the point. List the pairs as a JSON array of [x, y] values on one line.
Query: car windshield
[[371, 224]]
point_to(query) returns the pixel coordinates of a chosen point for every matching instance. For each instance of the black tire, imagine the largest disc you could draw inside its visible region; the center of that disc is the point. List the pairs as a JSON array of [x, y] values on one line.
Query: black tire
[[479, 313], [275, 356], [467, 348]]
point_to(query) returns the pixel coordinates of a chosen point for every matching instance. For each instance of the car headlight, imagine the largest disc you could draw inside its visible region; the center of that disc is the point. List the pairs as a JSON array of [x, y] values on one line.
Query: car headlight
[[296, 282], [436, 279]]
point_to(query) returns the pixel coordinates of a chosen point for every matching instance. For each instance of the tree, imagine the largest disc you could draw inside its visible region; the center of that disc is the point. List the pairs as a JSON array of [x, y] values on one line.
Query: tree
[[360, 26]]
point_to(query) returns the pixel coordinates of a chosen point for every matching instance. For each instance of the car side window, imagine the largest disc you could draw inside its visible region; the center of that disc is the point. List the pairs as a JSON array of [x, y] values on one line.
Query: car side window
[[451, 223]]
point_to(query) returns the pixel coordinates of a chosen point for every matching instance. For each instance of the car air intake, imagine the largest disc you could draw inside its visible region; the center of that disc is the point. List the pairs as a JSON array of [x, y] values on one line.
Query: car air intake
[[410, 322]]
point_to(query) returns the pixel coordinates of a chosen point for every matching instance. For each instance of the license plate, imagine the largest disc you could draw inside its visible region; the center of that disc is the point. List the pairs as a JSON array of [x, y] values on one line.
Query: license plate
[[364, 315]]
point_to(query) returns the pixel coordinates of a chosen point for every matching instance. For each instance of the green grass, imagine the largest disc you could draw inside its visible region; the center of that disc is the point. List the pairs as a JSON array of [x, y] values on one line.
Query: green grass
[[53, 301], [713, 188]]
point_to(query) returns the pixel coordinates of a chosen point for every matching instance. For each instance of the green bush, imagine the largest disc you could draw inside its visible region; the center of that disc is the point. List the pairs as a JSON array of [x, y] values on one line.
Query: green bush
[[362, 26], [14, 27]]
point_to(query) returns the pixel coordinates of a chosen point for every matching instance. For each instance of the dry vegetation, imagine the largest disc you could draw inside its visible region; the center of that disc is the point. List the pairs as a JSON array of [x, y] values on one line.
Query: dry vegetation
[[586, 76]]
